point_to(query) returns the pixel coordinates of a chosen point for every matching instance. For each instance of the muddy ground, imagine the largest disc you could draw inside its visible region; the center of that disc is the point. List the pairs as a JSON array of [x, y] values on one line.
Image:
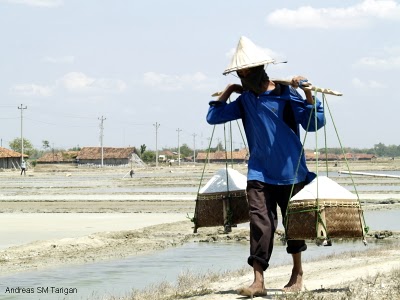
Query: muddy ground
[[70, 190]]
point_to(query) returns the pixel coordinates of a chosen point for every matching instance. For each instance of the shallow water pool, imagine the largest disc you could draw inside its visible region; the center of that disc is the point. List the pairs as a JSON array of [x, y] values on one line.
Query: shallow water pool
[[119, 277]]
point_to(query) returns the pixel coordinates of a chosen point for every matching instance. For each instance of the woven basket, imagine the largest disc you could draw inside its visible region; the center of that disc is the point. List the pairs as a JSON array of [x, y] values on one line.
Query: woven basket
[[210, 209], [342, 219]]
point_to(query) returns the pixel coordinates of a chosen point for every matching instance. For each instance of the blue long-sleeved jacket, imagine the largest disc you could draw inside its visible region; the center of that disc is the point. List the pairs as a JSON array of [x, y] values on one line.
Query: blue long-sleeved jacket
[[271, 122]]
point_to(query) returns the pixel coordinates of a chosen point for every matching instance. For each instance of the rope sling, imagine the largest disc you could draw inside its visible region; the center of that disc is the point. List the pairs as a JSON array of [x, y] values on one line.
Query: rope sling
[[229, 197], [323, 238], [318, 209]]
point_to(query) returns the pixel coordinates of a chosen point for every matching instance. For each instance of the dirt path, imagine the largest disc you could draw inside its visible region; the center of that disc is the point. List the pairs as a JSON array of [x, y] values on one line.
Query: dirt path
[[324, 277]]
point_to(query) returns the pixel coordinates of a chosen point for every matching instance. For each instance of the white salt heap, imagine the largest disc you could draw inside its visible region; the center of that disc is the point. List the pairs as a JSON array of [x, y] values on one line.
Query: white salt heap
[[324, 188], [225, 180]]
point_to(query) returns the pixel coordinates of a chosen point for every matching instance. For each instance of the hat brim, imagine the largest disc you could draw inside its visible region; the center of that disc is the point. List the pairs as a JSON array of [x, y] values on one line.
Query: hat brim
[[246, 66]]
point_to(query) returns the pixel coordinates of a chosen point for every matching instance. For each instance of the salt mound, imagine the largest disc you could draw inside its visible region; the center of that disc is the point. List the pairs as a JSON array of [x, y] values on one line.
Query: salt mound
[[226, 179], [323, 188]]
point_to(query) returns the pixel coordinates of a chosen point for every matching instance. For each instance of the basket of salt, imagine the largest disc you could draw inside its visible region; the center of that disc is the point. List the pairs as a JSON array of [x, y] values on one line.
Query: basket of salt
[[222, 200], [322, 210]]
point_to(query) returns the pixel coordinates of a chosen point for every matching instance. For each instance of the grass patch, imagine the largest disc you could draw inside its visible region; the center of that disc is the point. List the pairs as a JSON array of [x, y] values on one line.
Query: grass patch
[[380, 286], [187, 285]]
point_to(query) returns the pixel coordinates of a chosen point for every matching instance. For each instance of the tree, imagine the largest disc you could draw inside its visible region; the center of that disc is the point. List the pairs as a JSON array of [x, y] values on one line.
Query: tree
[[15, 145], [148, 156], [45, 144], [142, 149], [186, 151], [380, 149], [77, 148], [219, 147]]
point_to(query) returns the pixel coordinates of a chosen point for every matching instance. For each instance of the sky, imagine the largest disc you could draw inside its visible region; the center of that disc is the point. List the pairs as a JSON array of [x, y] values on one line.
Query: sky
[[148, 68]]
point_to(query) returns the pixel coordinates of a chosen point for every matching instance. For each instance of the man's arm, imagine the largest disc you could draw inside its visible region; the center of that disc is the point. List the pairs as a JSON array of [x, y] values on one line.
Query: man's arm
[[227, 92], [220, 111]]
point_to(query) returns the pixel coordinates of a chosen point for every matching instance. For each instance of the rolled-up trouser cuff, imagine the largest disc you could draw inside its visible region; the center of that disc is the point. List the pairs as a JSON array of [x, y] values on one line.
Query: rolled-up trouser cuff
[[296, 249], [261, 261]]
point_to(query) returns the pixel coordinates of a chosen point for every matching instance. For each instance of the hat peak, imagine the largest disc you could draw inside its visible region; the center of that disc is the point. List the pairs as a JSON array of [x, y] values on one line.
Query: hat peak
[[248, 55]]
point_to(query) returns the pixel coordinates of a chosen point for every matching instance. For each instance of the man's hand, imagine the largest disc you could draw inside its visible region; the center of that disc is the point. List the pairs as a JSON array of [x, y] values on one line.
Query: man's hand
[[299, 81]]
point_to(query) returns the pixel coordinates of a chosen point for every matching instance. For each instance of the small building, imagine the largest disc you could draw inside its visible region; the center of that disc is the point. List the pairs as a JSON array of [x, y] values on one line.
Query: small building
[[10, 159], [357, 156], [111, 155], [60, 157], [365, 156], [312, 156], [240, 156], [165, 155]]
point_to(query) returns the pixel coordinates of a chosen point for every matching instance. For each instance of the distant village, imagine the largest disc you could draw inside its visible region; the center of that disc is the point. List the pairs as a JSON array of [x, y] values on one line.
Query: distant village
[[113, 156]]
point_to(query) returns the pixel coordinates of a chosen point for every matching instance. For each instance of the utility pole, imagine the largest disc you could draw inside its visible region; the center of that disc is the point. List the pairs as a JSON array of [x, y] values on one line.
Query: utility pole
[[102, 119], [179, 148], [194, 147], [156, 126], [22, 137], [219, 141]]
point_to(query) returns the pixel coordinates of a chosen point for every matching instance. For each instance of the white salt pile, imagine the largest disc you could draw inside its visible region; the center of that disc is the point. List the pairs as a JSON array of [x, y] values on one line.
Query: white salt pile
[[226, 179], [322, 188]]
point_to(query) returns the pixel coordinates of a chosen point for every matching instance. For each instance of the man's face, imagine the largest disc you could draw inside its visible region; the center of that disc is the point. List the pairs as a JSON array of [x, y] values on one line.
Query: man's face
[[242, 73], [253, 79]]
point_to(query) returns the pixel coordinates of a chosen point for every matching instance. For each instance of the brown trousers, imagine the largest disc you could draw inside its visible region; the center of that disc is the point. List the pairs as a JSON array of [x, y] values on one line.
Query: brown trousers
[[263, 200]]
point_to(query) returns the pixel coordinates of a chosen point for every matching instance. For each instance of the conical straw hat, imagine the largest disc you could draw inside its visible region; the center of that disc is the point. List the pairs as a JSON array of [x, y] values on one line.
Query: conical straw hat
[[248, 55]]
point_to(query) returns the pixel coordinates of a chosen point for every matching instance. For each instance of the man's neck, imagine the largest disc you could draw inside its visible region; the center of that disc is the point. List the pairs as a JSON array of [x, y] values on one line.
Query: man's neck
[[269, 86]]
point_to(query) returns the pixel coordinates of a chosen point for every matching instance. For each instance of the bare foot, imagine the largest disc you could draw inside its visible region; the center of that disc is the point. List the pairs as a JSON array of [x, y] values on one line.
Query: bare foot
[[253, 290], [295, 283]]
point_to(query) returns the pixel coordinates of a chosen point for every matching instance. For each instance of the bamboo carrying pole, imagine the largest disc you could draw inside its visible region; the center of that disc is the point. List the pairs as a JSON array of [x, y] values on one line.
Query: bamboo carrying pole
[[307, 86]]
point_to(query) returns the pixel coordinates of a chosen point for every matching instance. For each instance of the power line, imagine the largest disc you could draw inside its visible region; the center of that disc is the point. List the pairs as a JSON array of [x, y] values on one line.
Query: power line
[[61, 125]]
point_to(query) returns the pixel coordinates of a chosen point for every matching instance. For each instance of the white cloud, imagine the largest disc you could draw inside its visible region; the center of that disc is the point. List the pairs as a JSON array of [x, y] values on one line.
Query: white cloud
[[371, 84], [388, 60], [78, 82], [69, 59], [73, 82], [359, 15], [357, 83], [376, 85], [32, 90], [175, 82], [392, 50], [38, 3], [380, 63]]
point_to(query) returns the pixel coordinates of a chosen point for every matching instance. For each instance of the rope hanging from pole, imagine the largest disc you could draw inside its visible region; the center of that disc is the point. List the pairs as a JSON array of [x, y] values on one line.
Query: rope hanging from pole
[[231, 200], [321, 230]]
